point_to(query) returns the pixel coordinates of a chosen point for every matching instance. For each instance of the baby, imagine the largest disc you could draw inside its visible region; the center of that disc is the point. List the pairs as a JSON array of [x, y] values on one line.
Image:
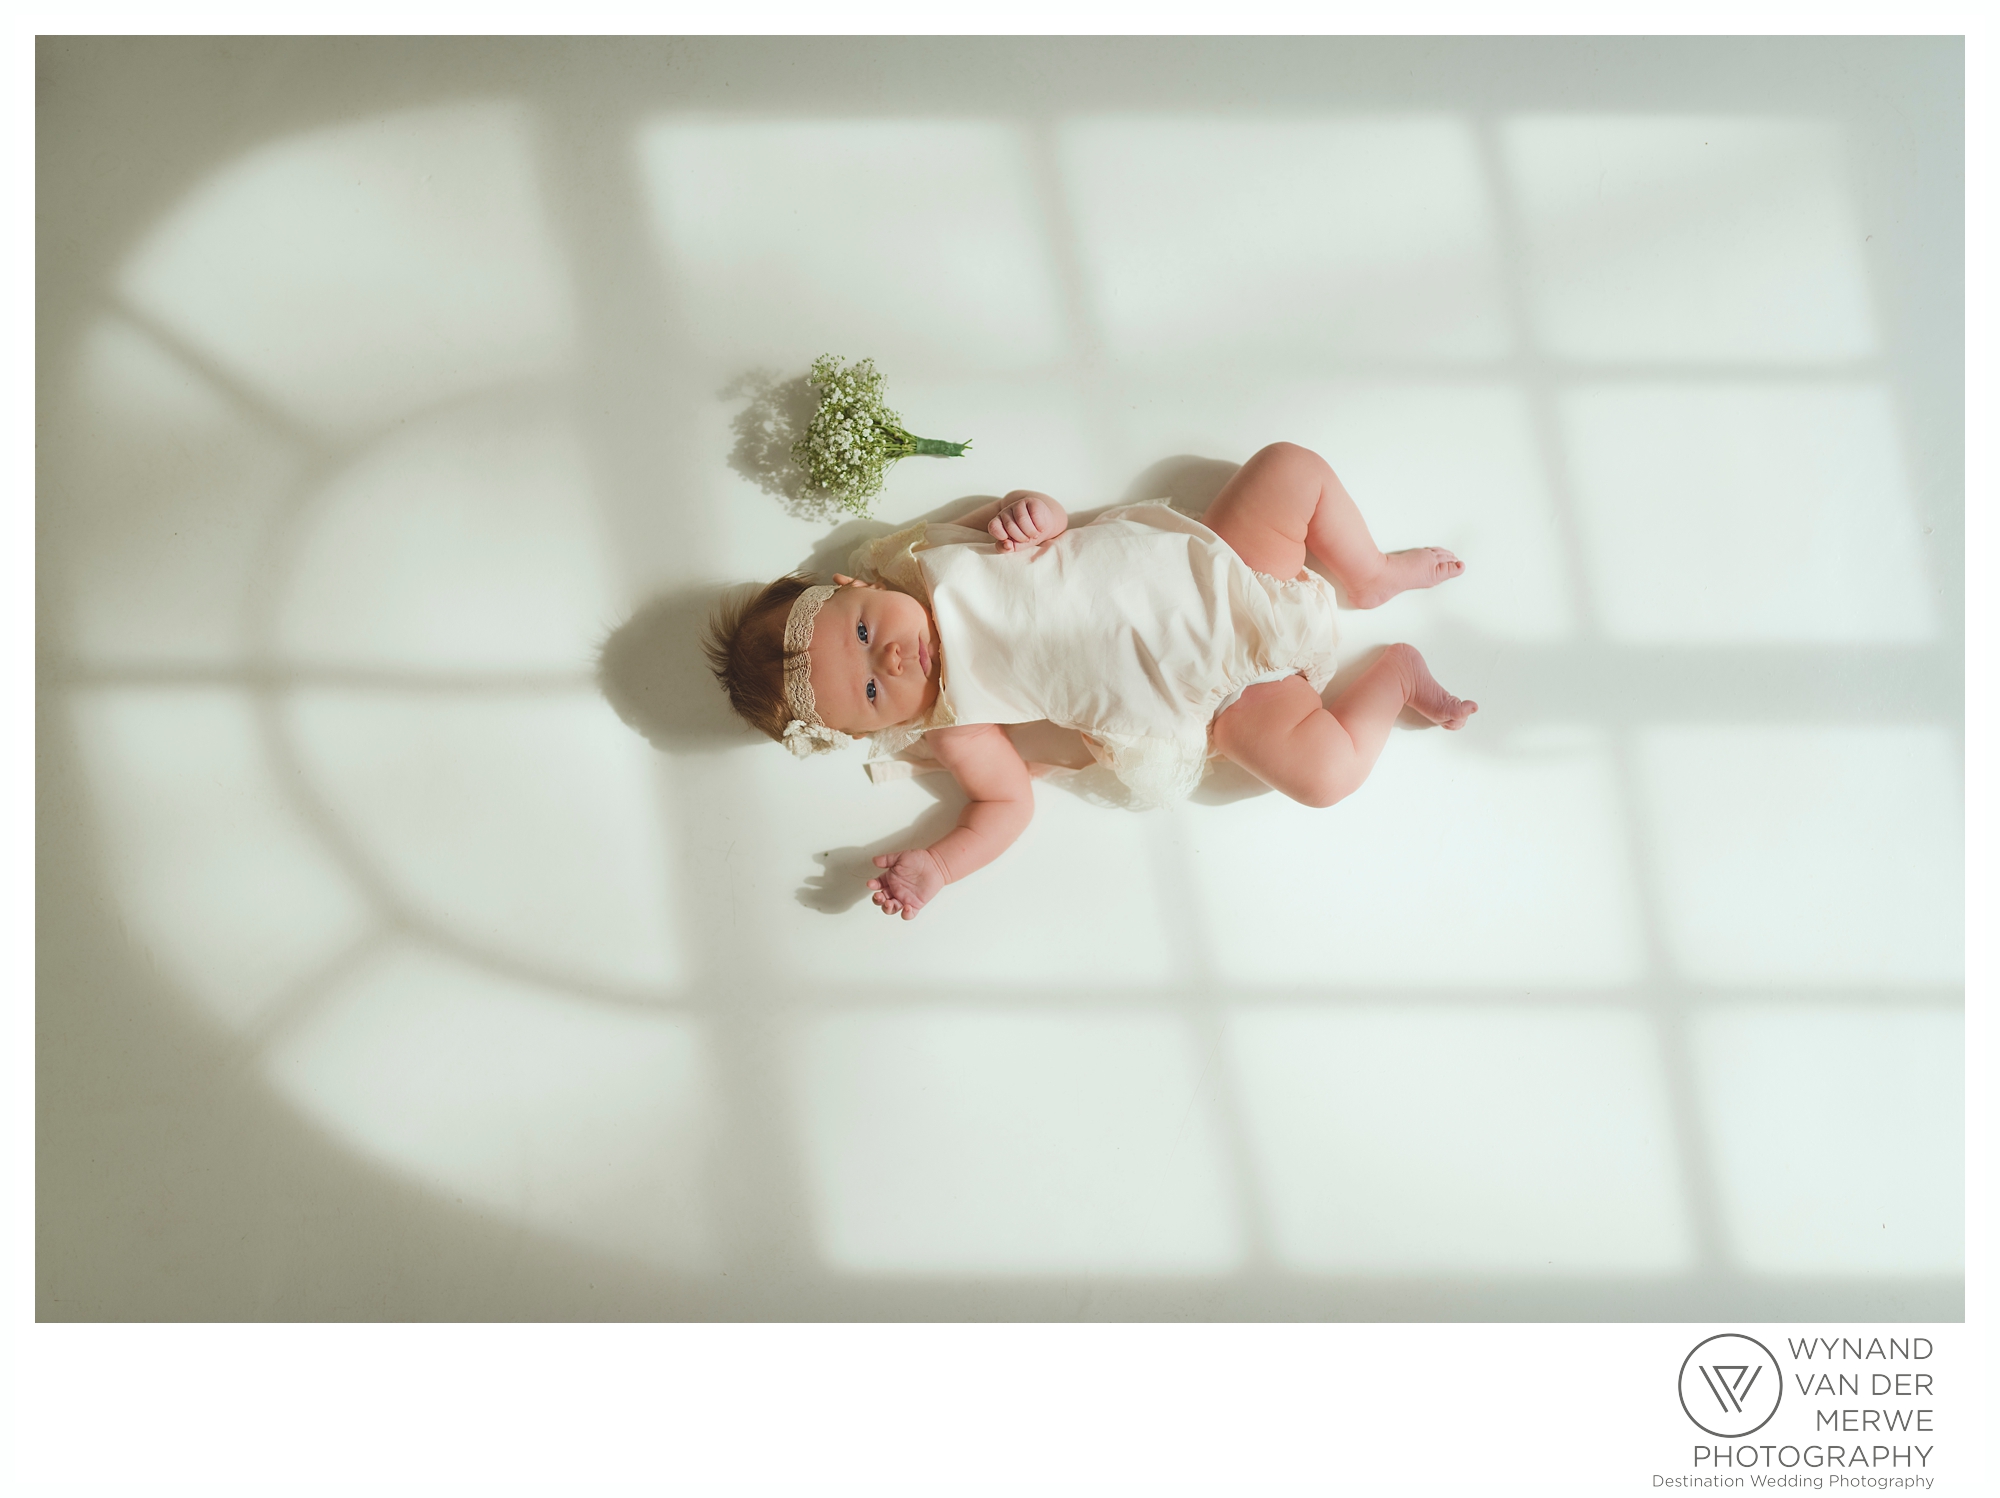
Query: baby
[[1163, 640]]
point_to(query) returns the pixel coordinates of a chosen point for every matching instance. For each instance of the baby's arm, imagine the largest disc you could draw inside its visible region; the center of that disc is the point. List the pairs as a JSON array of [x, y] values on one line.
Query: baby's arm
[[992, 773], [1023, 518]]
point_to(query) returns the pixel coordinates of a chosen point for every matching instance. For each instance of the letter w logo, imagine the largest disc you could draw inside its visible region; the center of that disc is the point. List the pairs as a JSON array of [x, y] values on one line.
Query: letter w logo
[[1730, 1383]]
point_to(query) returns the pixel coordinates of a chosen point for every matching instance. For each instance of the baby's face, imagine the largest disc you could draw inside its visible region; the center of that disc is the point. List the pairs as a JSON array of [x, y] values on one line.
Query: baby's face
[[874, 658]]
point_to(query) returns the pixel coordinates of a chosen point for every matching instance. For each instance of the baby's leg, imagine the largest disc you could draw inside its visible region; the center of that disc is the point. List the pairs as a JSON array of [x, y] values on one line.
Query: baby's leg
[[1279, 732], [1286, 502]]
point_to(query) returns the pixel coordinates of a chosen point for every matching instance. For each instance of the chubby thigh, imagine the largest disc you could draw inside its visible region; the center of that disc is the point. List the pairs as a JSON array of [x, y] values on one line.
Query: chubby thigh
[[1274, 731], [1279, 732], [1266, 509]]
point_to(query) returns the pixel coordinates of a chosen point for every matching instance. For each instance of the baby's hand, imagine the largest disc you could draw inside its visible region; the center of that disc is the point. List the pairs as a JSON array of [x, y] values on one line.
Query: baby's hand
[[908, 881], [1026, 521]]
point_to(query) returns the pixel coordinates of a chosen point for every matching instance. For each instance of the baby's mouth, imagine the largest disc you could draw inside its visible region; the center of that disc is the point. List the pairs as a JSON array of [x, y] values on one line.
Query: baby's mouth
[[924, 659]]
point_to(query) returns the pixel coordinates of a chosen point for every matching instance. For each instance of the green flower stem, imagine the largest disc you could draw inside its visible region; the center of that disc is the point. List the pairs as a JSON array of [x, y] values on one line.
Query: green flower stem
[[931, 447]]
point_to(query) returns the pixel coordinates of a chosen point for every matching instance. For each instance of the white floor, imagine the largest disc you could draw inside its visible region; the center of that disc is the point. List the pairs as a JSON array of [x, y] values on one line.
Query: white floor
[[385, 971]]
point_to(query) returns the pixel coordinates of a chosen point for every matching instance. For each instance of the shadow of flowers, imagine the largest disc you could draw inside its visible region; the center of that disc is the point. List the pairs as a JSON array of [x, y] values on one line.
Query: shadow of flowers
[[776, 415]]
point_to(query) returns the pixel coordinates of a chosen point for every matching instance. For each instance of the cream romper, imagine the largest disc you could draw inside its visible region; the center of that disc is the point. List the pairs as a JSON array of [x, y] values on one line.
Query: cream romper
[[1135, 629]]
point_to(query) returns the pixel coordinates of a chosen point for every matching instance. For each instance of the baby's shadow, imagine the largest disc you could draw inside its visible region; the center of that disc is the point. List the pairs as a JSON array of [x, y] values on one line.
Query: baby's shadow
[[1188, 483], [1227, 782], [652, 672], [842, 880]]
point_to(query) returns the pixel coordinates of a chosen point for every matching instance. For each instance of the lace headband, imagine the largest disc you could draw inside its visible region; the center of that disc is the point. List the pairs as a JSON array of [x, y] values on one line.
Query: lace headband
[[806, 734]]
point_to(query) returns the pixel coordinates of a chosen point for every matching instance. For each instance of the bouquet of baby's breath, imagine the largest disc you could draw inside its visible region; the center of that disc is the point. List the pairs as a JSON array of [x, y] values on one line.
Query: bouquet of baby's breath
[[854, 437]]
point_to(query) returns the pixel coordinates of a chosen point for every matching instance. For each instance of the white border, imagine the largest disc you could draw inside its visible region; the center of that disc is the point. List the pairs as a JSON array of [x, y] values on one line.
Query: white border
[[986, 18], [1437, 1408]]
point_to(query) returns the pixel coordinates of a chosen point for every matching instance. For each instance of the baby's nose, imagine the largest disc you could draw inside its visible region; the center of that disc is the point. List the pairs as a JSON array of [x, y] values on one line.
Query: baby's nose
[[892, 655]]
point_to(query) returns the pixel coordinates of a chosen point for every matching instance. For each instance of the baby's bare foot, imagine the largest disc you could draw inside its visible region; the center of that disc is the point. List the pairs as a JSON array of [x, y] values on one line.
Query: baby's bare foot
[[1419, 567], [1430, 699]]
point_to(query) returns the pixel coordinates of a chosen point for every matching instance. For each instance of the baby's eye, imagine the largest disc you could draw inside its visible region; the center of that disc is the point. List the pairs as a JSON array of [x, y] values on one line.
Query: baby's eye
[[871, 689], [862, 631]]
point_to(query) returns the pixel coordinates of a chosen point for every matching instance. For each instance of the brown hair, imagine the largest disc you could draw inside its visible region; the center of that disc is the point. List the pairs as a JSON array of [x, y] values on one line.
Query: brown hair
[[745, 647]]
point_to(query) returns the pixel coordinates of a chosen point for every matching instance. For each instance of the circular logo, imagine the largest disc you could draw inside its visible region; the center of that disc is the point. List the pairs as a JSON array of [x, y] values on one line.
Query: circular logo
[[1730, 1385]]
